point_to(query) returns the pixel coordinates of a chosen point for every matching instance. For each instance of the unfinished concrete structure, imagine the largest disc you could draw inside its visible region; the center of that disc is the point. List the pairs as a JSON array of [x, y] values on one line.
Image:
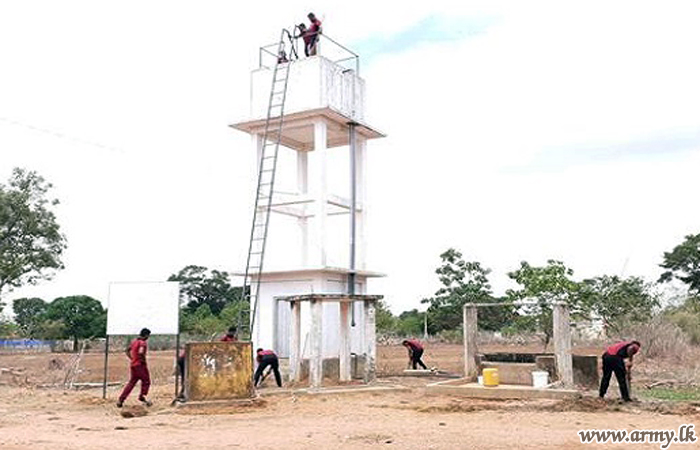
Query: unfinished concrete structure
[[515, 371], [218, 371], [305, 296]]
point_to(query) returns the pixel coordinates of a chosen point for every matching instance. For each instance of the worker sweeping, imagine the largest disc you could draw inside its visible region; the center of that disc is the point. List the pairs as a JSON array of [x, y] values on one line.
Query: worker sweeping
[[415, 352], [614, 361], [138, 368], [267, 358]]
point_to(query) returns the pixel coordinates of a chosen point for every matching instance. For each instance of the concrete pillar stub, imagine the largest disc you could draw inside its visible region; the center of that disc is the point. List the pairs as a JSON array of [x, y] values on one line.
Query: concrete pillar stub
[[370, 342], [344, 355], [295, 355], [316, 344], [562, 343], [470, 327]]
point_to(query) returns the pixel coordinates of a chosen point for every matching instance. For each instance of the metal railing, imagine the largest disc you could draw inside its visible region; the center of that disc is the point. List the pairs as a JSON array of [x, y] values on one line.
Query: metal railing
[[325, 46]]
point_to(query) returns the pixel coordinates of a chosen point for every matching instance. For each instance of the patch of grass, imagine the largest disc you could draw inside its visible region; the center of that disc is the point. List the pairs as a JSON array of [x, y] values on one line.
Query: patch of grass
[[677, 394]]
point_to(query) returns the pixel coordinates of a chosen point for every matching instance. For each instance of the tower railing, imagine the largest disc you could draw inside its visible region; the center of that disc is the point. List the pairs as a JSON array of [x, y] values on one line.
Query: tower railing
[[326, 47]]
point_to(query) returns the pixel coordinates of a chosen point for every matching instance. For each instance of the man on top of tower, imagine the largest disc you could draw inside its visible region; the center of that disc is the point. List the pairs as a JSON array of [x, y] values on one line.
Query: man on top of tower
[[310, 35]]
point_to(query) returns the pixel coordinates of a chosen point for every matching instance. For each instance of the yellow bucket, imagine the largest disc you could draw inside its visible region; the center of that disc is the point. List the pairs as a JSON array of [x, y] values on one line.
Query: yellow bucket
[[490, 377]]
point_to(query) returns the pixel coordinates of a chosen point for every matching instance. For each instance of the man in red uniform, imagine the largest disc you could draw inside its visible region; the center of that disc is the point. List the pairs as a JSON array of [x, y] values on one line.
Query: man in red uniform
[[311, 35], [230, 335], [139, 369], [415, 351], [267, 358], [614, 361]]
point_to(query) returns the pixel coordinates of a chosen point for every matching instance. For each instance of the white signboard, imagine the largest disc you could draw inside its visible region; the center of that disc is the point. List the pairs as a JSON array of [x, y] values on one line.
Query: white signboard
[[133, 306]]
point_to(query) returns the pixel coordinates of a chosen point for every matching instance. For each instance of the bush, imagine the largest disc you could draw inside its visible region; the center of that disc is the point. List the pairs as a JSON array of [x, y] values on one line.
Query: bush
[[660, 337], [689, 322]]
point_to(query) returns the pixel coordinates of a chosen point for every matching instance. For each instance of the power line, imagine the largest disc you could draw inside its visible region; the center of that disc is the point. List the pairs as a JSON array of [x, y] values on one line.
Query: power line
[[59, 135]]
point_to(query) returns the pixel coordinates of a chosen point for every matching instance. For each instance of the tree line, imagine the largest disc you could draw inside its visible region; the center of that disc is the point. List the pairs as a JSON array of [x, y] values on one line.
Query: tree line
[[32, 246]]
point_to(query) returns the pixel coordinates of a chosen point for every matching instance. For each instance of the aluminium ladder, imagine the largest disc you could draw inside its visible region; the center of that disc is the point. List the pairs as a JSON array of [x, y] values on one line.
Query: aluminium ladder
[[263, 197]]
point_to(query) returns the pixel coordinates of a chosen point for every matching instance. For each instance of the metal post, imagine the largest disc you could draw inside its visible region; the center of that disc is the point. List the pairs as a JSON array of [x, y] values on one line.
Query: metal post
[[104, 381]]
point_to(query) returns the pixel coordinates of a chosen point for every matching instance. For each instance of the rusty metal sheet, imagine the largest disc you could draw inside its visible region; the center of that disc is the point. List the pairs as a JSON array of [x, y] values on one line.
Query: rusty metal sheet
[[218, 370]]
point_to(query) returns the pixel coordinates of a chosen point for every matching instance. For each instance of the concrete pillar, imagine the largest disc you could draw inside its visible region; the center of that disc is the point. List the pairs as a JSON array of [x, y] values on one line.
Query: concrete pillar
[[295, 355], [361, 198], [316, 344], [303, 189], [562, 344], [344, 354], [370, 342], [470, 327], [320, 194]]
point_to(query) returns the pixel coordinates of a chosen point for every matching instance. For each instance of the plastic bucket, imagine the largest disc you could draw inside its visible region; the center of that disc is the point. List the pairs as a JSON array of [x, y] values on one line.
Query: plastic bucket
[[490, 377], [540, 379]]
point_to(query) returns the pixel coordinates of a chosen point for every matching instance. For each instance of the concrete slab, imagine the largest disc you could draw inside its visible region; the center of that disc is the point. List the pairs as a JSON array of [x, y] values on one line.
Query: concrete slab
[[503, 391], [361, 389], [418, 373], [512, 373]]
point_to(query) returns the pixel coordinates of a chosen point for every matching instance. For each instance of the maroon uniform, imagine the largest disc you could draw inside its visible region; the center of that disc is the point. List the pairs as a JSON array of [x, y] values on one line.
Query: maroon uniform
[[614, 361], [415, 352], [139, 370], [267, 358]]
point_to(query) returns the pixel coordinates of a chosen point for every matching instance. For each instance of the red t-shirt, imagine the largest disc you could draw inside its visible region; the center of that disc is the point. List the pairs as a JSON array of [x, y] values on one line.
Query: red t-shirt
[[265, 353], [617, 349], [315, 27], [136, 354], [228, 338], [414, 344]]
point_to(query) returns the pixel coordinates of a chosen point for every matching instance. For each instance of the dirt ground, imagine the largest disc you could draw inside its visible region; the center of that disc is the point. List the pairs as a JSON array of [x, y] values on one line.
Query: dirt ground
[[50, 417]]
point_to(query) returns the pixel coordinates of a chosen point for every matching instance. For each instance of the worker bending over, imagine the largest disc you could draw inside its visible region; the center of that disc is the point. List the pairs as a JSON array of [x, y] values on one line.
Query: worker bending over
[[267, 358], [415, 352], [614, 361]]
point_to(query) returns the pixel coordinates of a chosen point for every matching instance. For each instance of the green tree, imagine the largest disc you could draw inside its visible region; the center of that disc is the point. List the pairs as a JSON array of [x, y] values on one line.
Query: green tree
[[385, 320], [31, 243], [617, 301], [410, 323], [29, 314], [543, 286], [683, 263], [462, 282], [197, 288], [83, 317], [202, 322]]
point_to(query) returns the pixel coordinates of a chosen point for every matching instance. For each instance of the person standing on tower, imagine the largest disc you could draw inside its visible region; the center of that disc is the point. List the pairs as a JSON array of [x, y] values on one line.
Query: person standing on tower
[[311, 35], [139, 369]]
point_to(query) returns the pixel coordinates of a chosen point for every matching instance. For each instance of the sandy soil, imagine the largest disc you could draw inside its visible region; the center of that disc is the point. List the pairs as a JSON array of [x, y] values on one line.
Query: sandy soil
[[38, 418]]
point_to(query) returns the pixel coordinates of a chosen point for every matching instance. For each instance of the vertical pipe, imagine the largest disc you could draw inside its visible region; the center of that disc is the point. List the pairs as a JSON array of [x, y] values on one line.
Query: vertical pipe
[[353, 215], [104, 380]]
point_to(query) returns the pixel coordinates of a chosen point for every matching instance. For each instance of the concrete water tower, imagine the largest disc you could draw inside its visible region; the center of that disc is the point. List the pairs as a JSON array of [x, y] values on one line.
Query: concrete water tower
[[314, 309]]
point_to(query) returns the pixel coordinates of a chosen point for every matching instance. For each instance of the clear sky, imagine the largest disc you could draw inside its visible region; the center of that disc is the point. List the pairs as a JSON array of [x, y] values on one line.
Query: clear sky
[[516, 131]]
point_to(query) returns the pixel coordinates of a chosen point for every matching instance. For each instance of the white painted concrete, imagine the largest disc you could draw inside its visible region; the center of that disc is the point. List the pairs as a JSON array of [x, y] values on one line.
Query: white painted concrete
[[314, 83]]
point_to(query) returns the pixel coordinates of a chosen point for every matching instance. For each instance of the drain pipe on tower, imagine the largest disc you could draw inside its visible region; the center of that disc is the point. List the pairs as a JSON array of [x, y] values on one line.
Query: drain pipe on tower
[[353, 218]]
